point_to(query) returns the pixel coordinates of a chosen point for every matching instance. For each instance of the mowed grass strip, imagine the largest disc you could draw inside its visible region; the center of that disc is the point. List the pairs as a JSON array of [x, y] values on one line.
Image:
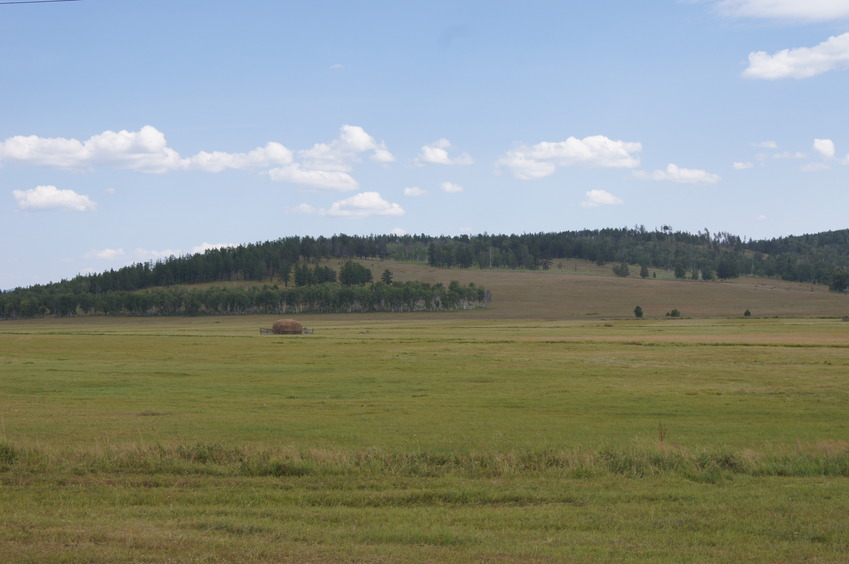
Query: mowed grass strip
[[131, 519]]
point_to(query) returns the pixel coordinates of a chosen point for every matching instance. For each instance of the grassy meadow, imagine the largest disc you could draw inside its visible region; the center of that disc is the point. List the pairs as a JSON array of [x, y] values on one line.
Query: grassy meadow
[[552, 426]]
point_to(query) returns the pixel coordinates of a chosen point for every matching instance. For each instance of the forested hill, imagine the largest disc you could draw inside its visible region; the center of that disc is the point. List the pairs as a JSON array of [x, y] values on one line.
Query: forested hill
[[295, 262]]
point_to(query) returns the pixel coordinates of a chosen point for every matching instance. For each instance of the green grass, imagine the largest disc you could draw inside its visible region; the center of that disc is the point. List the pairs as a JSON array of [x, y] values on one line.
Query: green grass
[[430, 438], [479, 436]]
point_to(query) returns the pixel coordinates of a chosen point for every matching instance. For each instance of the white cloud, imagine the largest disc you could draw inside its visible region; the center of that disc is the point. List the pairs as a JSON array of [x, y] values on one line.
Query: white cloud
[[145, 150], [135, 256], [263, 157], [525, 168], [824, 147], [398, 231], [365, 204], [438, 153], [106, 254], [809, 10], [789, 155], [203, 247], [540, 160], [674, 173], [152, 254], [48, 198], [451, 187], [742, 166], [342, 152], [327, 165], [297, 174], [304, 209], [596, 198], [803, 62], [414, 192], [766, 145], [815, 167]]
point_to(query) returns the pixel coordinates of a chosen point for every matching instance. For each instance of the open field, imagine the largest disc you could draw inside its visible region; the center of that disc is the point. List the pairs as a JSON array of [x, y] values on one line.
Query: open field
[[550, 427]]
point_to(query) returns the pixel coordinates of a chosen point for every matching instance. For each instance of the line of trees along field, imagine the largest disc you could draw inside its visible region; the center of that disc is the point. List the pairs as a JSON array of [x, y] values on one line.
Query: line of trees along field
[[291, 263], [314, 290]]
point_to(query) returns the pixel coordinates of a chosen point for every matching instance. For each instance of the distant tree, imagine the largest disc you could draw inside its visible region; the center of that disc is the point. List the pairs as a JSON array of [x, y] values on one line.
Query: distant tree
[[747, 313], [680, 271], [621, 269], [839, 281], [673, 313], [352, 274], [304, 276], [727, 267], [638, 312], [386, 277], [644, 271]]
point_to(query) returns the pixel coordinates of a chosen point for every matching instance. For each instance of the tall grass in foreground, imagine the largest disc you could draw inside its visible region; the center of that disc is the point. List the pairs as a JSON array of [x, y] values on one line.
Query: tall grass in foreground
[[634, 461]]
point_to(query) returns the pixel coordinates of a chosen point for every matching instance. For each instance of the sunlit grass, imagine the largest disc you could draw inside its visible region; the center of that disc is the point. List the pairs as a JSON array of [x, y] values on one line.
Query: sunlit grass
[[440, 438]]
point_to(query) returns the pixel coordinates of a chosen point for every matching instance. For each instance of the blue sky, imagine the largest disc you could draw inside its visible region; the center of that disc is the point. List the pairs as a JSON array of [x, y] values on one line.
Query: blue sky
[[134, 130]]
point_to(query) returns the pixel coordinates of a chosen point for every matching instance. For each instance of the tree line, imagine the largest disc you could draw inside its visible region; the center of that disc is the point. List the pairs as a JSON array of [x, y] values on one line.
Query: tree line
[[821, 258], [325, 297], [295, 262]]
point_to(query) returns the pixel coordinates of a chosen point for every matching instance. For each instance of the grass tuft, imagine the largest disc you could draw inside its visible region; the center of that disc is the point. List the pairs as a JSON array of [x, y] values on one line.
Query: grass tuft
[[634, 461], [8, 455]]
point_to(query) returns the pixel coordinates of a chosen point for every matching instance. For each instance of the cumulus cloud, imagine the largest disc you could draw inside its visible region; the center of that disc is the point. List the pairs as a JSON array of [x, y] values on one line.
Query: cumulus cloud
[[325, 165], [596, 198], [153, 254], [674, 173], [328, 165], [262, 157], [824, 147], [766, 145], [451, 187], [106, 254], [203, 247], [50, 198], [742, 165], [364, 204], [345, 150], [809, 10], [438, 153], [297, 174], [802, 62], [414, 192], [145, 150], [789, 155], [537, 161], [134, 256]]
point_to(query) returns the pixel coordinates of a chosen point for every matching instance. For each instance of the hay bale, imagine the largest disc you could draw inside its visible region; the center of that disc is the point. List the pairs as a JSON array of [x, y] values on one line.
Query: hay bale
[[287, 327]]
